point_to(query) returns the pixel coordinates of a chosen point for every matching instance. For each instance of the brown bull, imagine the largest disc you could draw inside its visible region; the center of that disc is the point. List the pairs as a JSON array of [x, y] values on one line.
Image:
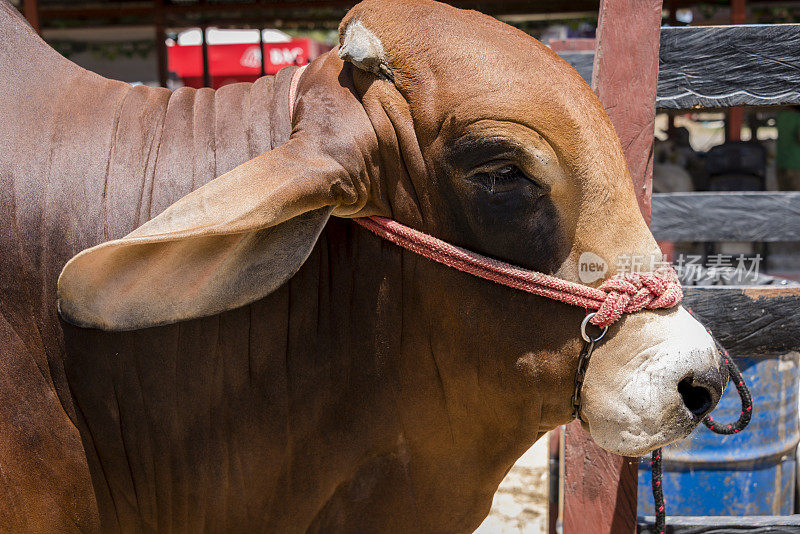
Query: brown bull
[[245, 361]]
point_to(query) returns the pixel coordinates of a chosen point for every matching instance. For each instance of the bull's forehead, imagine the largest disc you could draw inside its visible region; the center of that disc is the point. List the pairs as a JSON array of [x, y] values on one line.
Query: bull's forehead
[[549, 99], [543, 105], [519, 80], [459, 67]]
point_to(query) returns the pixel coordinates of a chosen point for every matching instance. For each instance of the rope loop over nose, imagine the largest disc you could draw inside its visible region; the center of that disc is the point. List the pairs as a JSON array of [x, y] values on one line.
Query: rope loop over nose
[[637, 291]]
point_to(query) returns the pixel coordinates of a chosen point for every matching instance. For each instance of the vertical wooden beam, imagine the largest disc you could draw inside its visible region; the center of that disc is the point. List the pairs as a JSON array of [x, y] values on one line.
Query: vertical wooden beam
[[600, 488], [263, 52], [672, 17], [733, 126], [204, 47], [625, 76], [30, 9], [672, 21], [161, 44], [553, 483], [161, 54], [738, 12]]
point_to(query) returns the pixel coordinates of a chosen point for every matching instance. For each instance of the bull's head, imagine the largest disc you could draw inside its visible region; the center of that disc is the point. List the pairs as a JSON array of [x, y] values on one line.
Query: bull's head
[[474, 132]]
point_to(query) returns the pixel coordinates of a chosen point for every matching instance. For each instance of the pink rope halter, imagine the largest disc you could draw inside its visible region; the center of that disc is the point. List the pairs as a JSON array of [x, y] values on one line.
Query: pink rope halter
[[621, 294], [615, 296]]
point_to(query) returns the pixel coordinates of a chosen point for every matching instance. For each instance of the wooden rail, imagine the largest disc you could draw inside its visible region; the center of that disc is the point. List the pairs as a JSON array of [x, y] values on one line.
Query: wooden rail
[[749, 319], [726, 216], [789, 524], [722, 66]]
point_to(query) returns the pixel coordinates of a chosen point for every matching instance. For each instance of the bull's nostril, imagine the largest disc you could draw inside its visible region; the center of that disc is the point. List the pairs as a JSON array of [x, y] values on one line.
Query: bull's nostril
[[697, 399]]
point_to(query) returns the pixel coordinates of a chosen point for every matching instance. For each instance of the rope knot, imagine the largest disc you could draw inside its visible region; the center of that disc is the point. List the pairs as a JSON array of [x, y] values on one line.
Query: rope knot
[[633, 292]]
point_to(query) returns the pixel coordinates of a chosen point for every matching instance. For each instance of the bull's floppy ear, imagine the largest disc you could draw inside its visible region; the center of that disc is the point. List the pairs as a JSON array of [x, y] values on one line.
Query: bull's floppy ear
[[229, 243]]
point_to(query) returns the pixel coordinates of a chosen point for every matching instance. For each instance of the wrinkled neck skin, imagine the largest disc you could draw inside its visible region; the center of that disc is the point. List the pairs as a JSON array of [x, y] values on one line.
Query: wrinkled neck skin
[[455, 400], [472, 372], [440, 401]]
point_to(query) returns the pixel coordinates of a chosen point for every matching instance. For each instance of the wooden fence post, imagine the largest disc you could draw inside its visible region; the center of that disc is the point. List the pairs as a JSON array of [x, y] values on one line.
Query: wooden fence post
[[733, 125], [600, 488], [161, 45], [625, 77], [30, 8]]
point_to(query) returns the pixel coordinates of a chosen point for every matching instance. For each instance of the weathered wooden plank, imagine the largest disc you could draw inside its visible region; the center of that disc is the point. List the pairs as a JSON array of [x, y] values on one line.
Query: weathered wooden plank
[[723, 66], [776, 524], [749, 320], [600, 488], [726, 216]]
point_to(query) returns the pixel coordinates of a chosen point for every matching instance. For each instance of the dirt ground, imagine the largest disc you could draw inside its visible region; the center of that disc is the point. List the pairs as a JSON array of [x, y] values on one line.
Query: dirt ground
[[520, 504]]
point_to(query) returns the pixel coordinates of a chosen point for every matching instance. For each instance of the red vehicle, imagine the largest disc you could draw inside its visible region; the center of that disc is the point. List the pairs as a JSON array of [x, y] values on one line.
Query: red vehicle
[[230, 63]]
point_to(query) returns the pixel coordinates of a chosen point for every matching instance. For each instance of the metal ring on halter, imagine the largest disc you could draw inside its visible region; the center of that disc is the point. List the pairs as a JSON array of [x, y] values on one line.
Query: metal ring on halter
[[585, 336]]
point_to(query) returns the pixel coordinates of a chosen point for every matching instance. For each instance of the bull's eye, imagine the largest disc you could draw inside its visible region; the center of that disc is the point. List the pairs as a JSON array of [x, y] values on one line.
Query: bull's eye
[[501, 179]]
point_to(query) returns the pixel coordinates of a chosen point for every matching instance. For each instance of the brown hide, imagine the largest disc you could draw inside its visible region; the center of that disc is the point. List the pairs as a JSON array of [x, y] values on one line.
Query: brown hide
[[45, 484], [84, 160]]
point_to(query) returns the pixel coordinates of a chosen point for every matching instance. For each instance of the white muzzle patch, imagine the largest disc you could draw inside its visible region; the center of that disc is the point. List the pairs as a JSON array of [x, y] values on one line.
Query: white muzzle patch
[[632, 402]]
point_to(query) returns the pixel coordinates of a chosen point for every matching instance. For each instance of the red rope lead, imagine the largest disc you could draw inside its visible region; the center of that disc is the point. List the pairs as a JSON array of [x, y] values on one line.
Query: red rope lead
[[621, 294]]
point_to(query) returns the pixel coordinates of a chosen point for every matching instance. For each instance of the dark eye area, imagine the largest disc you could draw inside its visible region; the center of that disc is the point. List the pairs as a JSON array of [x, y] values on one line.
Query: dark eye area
[[506, 178]]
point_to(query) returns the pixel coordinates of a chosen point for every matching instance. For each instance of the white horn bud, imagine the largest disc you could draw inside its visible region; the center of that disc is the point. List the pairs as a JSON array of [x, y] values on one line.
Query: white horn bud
[[364, 50]]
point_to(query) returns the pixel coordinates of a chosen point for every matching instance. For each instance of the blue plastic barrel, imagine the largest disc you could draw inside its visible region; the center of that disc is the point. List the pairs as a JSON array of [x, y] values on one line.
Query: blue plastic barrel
[[750, 473]]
